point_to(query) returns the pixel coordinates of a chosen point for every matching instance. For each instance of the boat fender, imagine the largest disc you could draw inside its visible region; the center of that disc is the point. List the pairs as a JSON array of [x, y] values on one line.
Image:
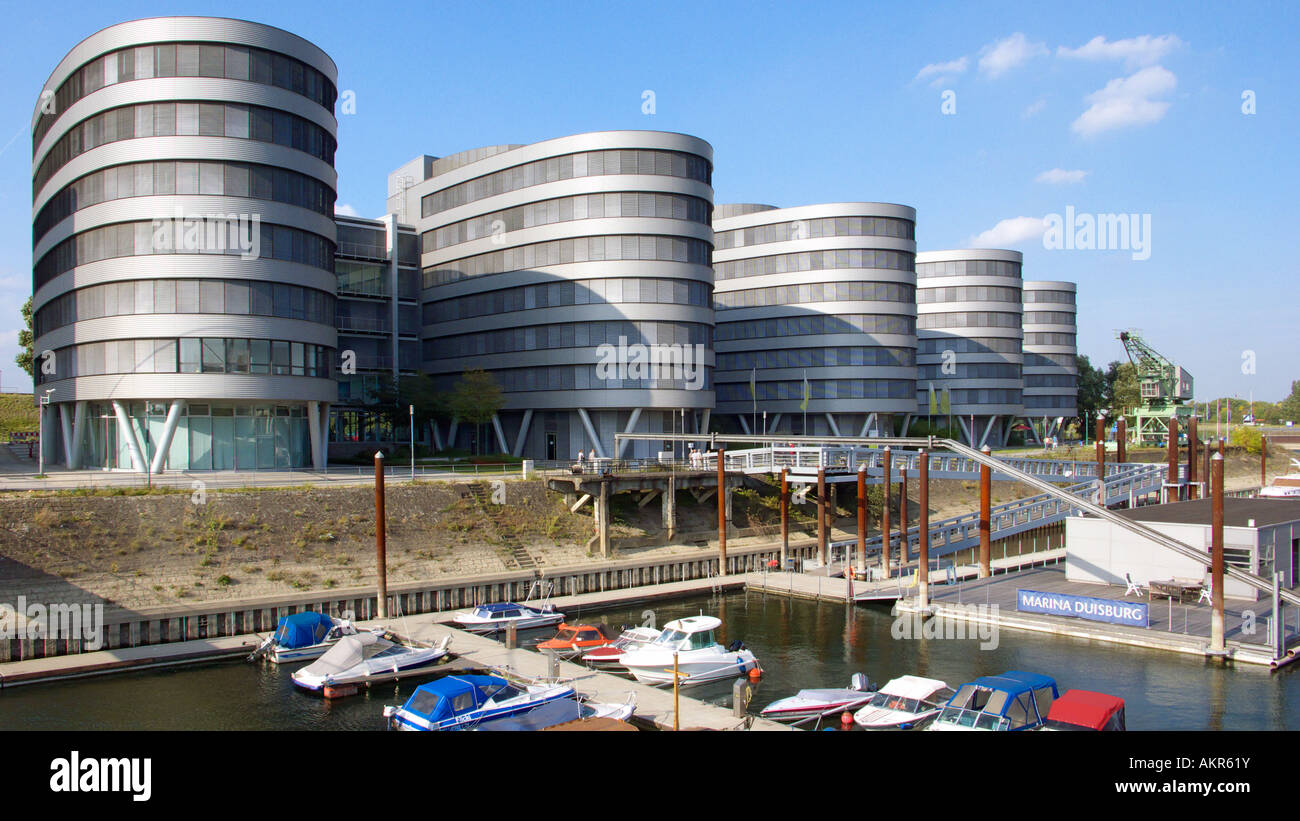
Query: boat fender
[[846, 719]]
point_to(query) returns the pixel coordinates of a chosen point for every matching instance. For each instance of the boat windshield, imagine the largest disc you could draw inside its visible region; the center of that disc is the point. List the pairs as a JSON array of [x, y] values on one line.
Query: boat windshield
[[566, 635], [423, 702], [669, 637], [886, 701], [500, 692]]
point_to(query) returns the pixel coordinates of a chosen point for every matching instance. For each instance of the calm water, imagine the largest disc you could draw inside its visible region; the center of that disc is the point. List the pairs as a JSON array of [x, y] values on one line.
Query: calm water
[[800, 644]]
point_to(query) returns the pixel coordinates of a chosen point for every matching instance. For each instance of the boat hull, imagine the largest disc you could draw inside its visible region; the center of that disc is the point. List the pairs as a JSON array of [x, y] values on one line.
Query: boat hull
[[344, 681]]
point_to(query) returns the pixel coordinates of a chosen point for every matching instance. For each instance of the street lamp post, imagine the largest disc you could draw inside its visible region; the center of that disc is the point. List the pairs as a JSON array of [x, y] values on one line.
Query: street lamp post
[[40, 435]]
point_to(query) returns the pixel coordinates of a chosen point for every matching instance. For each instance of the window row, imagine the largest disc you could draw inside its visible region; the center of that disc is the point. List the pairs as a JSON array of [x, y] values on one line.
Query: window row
[[818, 389], [1065, 403], [816, 324], [191, 355], [1036, 338], [564, 251], [569, 166], [967, 293], [130, 122], [971, 370], [962, 344], [369, 279], [572, 292], [1051, 380], [194, 234], [971, 396], [565, 209], [186, 296], [227, 179], [1051, 360], [376, 317], [815, 229], [1049, 317], [595, 378], [855, 356], [189, 60], [968, 267], [1059, 297], [815, 292], [814, 261], [574, 335], [968, 319]]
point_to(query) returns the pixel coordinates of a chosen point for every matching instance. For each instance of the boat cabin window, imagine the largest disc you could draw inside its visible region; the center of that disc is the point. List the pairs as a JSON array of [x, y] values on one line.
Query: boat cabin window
[[463, 702], [566, 635], [701, 640], [1018, 713], [337, 632], [588, 635], [1043, 698], [508, 614], [670, 637], [997, 702], [395, 650], [424, 702], [970, 697], [500, 693]]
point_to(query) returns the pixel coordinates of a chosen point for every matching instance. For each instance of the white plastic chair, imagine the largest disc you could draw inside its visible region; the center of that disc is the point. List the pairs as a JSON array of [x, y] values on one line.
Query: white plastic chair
[[1133, 587], [1207, 594]]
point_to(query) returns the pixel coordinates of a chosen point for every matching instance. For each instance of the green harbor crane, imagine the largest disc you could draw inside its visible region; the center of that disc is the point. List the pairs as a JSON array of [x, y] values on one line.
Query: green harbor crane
[[1166, 391]]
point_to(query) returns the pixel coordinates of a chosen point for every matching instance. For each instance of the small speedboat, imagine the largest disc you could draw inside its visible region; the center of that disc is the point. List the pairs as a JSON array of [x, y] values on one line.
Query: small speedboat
[[1085, 710], [303, 636], [699, 658], [560, 711], [904, 703], [493, 618], [1014, 700], [462, 702], [365, 659], [574, 639], [1284, 487], [814, 703], [610, 657]]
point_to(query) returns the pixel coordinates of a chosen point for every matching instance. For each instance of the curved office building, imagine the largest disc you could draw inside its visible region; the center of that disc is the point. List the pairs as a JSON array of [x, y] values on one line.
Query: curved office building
[[183, 189], [968, 330], [1051, 365], [823, 293], [575, 271]]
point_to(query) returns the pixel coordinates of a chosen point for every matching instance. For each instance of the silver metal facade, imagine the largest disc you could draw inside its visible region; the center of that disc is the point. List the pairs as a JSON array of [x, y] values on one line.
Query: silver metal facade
[[183, 191], [1051, 350], [825, 292]]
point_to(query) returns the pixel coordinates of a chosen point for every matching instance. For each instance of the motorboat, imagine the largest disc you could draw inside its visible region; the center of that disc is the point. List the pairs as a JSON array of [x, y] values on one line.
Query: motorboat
[[365, 659], [493, 618], [1085, 710], [699, 658], [816, 703], [610, 657], [1014, 700], [560, 711], [463, 701], [904, 703], [1284, 487], [303, 636], [575, 639]]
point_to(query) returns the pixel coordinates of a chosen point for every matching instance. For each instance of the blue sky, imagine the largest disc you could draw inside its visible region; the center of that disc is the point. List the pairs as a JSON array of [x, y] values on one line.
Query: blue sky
[[1103, 108]]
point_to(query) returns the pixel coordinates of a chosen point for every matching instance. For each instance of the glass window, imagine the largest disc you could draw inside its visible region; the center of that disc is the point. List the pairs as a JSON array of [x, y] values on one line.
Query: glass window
[[214, 355], [259, 356], [190, 356]]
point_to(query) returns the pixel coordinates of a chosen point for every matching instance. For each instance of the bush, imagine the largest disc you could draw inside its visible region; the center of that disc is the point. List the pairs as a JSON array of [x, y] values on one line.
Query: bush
[[1248, 438]]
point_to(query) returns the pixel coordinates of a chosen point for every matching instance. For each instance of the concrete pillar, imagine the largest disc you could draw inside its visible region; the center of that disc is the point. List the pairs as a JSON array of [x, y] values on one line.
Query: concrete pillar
[[669, 506], [501, 434], [324, 435], [522, 436], [127, 432], [923, 529], [986, 549], [631, 428], [169, 432], [591, 433], [1216, 557], [65, 427]]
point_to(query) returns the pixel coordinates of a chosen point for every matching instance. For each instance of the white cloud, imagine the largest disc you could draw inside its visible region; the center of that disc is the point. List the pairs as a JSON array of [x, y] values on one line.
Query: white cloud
[[1010, 232], [342, 209], [998, 58], [941, 71], [1127, 101], [1135, 51], [1033, 108], [1059, 176]]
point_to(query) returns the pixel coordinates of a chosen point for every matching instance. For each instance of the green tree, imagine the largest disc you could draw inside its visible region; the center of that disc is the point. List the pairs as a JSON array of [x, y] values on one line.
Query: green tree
[[1290, 406], [476, 398], [394, 399], [1122, 389], [26, 354], [1092, 388]]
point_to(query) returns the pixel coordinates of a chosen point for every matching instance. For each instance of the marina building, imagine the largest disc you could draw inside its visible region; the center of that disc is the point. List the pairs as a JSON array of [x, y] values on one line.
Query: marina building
[[816, 312], [1051, 369]]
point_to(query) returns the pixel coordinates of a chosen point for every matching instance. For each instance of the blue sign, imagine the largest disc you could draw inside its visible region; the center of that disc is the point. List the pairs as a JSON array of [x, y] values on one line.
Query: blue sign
[[1113, 611]]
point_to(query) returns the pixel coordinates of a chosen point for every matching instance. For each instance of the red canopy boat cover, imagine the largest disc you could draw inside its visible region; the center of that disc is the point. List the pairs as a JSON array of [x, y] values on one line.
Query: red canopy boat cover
[[1085, 708]]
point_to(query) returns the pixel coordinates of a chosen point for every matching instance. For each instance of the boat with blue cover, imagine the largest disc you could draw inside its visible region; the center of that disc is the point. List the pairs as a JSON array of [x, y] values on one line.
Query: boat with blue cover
[[303, 636], [463, 701], [1015, 700]]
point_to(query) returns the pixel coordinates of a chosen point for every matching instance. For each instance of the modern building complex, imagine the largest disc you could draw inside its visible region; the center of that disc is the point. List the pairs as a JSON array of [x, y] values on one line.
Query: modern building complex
[[1050, 348], [576, 272], [199, 306], [183, 189], [816, 313], [969, 340]]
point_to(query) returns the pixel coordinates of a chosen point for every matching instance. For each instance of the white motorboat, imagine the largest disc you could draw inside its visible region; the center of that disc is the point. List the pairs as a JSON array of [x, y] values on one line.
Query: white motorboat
[[1284, 487], [463, 701], [699, 657], [610, 657], [493, 618], [815, 703], [904, 703], [304, 636], [366, 658]]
